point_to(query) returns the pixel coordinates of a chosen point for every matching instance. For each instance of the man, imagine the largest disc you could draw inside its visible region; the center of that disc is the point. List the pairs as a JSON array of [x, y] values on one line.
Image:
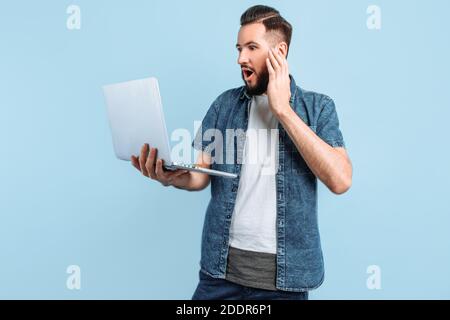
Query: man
[[260, 238]]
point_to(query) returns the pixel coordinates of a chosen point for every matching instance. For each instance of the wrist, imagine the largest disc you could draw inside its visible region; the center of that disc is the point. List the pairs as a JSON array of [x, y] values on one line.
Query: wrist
[[284, 112]]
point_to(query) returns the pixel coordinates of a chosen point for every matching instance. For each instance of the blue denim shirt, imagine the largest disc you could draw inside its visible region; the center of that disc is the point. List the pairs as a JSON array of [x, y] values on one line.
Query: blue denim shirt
[[300, 264]]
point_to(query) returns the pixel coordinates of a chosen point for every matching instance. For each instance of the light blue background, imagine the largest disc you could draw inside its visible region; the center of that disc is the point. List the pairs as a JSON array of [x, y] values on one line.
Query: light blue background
[[65, 198]]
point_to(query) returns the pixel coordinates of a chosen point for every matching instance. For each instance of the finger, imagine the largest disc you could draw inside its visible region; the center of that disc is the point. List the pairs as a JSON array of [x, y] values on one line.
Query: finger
[[160, 175], [273, 60], [143, 158], [278, 58], [135, 162], [270, 68], [286, 67], [281, 61], [285, 64], [177, 173], [150, 163]]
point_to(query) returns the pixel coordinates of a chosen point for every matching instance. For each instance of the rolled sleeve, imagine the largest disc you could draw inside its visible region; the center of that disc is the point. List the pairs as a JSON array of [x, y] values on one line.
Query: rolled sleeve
[[328, 125], [208, 122]]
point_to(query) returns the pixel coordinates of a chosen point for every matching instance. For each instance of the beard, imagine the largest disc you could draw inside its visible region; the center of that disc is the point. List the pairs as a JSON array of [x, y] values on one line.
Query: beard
[[261, 84]]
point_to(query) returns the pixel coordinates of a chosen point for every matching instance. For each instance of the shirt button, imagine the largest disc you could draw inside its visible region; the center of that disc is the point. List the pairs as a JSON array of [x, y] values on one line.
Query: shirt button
[[228, 216]]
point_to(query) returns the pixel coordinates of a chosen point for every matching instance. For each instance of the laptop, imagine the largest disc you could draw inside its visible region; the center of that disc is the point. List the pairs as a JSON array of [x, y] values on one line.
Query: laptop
[[136, 117]]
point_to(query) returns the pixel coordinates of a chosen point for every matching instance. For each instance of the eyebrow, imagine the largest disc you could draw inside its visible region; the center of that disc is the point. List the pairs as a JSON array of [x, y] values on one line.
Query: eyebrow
[[247, 44]]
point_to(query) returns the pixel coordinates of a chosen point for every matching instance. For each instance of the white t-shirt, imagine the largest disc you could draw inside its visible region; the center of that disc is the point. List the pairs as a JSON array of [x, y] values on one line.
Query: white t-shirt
[[253, 225]]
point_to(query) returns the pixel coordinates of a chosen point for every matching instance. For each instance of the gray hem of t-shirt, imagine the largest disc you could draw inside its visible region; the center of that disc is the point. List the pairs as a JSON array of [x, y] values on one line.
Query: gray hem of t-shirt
[[251, 269]]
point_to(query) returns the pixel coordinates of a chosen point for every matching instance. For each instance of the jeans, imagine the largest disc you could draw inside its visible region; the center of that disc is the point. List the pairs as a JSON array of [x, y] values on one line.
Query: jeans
[[210, 288]]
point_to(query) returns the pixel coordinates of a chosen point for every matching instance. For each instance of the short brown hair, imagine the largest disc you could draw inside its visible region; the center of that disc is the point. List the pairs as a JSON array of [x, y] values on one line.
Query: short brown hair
[[271, 19]]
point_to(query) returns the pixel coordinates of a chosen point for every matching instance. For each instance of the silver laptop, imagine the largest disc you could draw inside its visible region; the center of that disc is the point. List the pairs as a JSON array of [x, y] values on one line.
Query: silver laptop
[[136, 117]]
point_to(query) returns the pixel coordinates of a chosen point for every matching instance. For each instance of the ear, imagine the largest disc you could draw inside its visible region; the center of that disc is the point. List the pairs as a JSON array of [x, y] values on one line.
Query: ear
[[283, 48]]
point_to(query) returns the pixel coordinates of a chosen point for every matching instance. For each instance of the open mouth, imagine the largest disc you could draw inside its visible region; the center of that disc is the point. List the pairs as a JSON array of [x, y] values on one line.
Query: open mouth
[[248, 73]]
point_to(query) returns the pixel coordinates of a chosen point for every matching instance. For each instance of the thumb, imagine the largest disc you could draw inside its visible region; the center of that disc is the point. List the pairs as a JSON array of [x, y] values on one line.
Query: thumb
[[179, 173]]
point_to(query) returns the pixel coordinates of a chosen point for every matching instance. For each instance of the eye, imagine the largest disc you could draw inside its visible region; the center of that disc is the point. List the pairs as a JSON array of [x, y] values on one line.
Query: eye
[[252, 48], [239, 49]]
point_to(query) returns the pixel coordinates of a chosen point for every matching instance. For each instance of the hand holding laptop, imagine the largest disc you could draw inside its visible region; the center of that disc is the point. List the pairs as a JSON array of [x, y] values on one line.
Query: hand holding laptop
[[152, 167]]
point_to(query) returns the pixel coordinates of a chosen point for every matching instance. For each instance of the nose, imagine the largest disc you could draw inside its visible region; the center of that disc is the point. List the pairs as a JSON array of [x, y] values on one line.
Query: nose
[[242, 58]]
